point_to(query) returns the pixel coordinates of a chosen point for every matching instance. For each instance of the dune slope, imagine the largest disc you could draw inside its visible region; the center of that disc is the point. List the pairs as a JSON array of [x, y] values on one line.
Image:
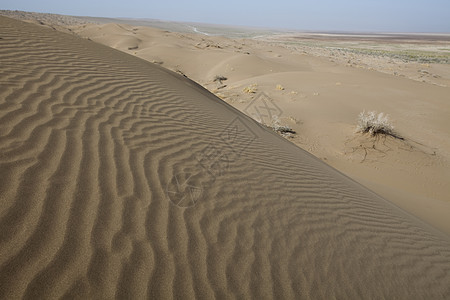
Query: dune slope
[[320, 93], [119, 179]]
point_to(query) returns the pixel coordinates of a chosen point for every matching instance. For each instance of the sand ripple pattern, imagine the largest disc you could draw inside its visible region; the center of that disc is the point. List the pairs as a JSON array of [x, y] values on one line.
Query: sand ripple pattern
[[90, 139]]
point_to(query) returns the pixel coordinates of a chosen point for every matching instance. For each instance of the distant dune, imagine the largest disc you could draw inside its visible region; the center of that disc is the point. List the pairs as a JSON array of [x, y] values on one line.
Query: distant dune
[[120, 179]]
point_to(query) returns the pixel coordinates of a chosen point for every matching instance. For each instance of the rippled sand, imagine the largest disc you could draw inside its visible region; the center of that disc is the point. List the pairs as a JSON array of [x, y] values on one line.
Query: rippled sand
[[120, 179]]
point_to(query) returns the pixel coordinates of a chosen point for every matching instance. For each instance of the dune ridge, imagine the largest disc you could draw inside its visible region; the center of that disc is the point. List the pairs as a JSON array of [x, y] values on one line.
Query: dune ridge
[[92, 140]]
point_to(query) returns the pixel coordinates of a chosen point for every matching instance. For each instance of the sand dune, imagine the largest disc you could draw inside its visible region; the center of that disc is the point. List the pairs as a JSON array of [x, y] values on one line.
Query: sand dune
[[120, 179], [325, 87]]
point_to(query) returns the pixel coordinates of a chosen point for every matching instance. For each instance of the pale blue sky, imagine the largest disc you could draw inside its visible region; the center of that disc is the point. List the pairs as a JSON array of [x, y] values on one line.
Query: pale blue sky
[[344, 15]]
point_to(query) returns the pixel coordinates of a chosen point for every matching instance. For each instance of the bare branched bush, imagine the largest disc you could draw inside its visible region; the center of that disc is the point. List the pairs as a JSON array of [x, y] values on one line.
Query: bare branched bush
[[219, 78], [374, 124], [282, 128], [276, 126]]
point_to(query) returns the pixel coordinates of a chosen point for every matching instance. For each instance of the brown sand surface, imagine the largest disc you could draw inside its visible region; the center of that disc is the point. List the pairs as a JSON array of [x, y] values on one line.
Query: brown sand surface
[[323, 88], [120, 179]]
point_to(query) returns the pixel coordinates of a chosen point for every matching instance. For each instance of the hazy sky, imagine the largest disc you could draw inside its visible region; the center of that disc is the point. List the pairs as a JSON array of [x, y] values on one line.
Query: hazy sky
[[346, 15]]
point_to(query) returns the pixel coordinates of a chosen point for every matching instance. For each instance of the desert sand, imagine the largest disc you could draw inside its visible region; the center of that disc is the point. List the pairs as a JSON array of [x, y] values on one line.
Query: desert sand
[[122, 179], [320, 84]]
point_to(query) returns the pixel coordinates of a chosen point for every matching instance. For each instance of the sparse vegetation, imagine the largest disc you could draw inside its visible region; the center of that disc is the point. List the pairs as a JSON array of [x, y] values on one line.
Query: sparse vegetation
[[218, 79], [375, 124], [251, 89], [284, 130]]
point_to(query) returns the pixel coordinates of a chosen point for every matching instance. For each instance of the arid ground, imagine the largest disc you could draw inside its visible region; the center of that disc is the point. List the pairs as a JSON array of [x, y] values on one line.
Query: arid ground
[[196, 161]]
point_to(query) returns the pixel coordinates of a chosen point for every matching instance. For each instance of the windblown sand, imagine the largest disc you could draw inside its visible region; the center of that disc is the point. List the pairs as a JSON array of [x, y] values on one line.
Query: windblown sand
[[120, 179], [320, 86]]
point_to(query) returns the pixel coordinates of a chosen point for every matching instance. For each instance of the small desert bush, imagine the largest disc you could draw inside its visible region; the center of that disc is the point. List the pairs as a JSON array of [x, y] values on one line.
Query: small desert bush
[[219, 78], [276, 126], [370, 122], [282, 128], [251, 89]]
